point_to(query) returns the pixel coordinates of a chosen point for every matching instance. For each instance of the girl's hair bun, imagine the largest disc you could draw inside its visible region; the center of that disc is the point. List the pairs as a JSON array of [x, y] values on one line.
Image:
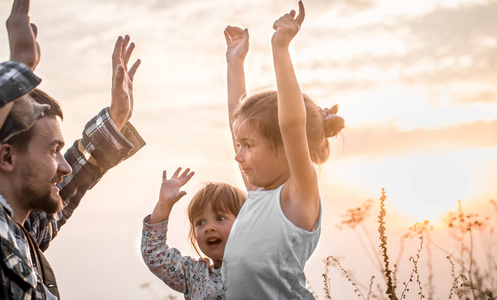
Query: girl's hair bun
[[333, 123]]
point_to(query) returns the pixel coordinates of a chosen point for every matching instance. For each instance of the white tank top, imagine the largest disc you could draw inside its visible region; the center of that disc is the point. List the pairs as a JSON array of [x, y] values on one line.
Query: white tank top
[[266, 253]]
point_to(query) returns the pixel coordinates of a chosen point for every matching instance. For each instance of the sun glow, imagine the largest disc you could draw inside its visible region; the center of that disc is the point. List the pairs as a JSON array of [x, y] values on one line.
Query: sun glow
[[421, 186]]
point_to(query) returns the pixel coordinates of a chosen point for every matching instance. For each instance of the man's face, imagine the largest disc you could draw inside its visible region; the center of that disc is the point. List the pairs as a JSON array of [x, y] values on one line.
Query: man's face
[[42, 166]]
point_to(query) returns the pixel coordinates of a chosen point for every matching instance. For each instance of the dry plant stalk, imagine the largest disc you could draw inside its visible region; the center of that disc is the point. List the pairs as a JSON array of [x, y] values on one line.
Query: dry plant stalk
[[383, 246]]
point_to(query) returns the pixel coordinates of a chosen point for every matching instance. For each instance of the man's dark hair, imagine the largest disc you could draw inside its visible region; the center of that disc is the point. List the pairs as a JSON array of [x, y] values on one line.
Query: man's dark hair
[[20, 141]]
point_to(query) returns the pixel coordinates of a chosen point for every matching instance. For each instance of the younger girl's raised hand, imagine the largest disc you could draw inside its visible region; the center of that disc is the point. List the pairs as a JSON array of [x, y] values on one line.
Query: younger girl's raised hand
[[170, 189], [237, 42], [287, 27], [170, 193]]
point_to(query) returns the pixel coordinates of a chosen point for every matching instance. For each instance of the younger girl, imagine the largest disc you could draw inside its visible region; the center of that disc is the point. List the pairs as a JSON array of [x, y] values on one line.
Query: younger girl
[[212, 212], [277, 137]]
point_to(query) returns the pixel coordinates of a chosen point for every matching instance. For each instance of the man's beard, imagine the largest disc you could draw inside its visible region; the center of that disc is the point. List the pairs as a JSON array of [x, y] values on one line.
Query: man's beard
[[39, 199]]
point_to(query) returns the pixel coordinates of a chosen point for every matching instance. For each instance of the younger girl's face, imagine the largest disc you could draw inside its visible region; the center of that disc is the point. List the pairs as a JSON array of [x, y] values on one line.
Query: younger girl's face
[[259, 162], [212, 229]]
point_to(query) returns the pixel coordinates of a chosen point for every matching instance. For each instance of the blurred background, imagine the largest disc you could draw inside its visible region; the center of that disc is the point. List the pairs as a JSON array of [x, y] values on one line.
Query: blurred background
[[416, 82]]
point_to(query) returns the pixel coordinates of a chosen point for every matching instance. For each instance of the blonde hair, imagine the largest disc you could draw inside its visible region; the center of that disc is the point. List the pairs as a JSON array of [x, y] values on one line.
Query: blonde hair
[[260, 111], [220, 196]]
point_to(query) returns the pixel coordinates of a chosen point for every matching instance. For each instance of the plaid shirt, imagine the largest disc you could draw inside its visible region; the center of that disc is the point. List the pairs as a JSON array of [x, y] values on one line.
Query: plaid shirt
[[101, 148]]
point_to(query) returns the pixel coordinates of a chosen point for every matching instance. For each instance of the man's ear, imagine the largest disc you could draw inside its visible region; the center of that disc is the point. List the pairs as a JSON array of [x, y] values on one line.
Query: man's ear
[[6, 158]]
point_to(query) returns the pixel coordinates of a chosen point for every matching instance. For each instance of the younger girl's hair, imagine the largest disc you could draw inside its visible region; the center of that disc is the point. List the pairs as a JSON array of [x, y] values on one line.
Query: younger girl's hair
[[260, 111], [220, 196]]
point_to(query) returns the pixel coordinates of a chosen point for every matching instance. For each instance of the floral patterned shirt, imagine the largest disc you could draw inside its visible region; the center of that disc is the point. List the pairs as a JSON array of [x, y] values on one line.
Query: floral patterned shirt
[[196, 279]]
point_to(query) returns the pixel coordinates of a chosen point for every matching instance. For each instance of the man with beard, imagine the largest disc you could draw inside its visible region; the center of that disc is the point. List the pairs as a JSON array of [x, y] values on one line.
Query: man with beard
[[38, 192]]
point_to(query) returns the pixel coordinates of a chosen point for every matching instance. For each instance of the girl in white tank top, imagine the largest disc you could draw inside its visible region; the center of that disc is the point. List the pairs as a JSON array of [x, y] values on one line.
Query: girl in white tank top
[[278, 137]]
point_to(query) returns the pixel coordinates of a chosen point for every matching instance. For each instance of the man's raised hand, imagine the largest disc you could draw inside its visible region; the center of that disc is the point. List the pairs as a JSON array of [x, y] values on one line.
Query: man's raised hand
[[22, 35], [121, 107]]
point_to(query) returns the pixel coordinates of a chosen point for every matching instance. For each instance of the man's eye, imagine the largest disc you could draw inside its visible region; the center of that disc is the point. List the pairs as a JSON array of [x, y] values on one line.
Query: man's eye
[[56, 149]]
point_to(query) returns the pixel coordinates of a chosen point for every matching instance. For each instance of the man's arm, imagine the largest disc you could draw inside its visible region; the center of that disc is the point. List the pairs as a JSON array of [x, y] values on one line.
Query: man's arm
[[23, 49], [107, 140]]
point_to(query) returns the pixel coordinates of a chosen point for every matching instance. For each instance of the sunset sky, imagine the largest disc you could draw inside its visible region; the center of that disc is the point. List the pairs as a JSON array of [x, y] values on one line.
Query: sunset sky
[[416, 82]]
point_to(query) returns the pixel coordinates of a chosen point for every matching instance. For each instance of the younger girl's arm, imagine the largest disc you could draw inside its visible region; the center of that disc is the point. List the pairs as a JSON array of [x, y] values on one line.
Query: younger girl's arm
[[237, 42], [300, 197], [169, 194], [166, 263], [181, 273]]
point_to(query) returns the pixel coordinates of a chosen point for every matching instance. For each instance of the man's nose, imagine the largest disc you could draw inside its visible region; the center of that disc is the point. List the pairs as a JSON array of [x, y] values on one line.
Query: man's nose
[[63, 166]]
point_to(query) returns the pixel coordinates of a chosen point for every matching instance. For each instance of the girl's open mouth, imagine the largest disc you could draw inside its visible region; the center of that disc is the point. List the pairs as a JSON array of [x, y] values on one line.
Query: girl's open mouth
[[213, 241]]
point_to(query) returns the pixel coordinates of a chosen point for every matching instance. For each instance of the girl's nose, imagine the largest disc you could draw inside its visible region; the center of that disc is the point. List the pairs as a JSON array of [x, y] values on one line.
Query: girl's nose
[[239, 156], [210, 227]]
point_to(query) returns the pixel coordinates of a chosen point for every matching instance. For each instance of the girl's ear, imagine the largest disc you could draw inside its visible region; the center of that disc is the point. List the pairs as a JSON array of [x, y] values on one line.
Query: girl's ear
[[6, 158]]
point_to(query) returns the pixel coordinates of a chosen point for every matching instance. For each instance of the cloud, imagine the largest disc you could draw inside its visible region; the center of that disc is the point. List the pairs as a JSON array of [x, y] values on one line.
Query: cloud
[[348, 7], [486, 96], [444, 47], [387, 140], [455, 31]]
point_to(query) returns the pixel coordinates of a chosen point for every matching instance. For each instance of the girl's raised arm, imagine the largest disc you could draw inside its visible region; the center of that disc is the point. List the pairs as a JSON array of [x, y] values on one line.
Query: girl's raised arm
[[237, 42], [300, 197]]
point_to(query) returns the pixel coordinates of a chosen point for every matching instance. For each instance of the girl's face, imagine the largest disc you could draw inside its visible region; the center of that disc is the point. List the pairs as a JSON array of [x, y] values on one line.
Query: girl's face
[[212, 229], [263, 166]]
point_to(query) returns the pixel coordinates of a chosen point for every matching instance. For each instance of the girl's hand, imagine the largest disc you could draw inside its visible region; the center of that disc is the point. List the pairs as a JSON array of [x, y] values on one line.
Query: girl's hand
[[237, 42], [170, 191], [169, 194], [287, 27]]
